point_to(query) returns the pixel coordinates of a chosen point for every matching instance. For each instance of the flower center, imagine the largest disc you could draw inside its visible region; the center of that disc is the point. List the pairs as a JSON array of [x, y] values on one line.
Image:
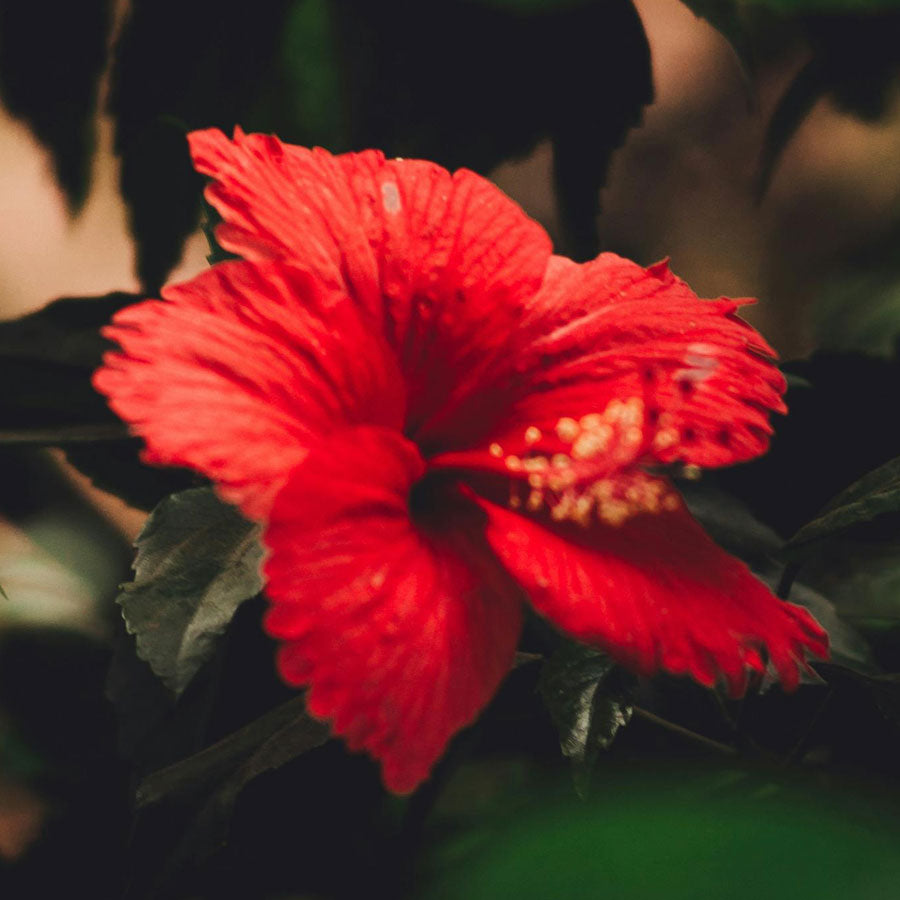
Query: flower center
[[566, 482]]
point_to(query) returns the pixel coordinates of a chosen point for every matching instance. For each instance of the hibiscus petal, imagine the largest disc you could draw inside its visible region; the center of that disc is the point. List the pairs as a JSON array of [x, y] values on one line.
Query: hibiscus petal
[[444, 261], [656, 593], [610, 332], [402, 634], [239, 368]]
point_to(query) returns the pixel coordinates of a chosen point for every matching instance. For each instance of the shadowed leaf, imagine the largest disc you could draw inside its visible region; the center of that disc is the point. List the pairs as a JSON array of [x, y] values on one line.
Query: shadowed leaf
[[589, 700], [50, 65], [855, 59], [208, 784], [871, 496], [178, 67], [197, 561], [49, 356], [267, 743], [545, 71]]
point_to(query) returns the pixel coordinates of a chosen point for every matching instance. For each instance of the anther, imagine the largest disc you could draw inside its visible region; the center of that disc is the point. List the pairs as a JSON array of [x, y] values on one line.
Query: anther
[[567, 430]]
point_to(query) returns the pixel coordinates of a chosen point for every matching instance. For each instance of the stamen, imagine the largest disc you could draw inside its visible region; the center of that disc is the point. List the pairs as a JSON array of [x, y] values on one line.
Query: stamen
[[559, 482], [567, 430]]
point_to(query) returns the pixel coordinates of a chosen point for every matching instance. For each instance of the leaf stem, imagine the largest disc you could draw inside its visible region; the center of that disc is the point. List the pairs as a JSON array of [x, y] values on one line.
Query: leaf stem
[[684, 732], [66, 434]]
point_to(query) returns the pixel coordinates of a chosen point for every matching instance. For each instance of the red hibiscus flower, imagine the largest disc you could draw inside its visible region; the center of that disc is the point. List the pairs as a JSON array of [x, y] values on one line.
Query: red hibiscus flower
[[436, 420]]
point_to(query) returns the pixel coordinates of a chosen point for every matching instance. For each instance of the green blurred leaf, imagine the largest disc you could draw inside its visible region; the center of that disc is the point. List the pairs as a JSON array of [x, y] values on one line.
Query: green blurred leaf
[[197, 561], [535, 6], [589, 700], [311, 66], [798, 7], [871, 496], [859, 309], [49, 357], [680, 837], [50, 66]]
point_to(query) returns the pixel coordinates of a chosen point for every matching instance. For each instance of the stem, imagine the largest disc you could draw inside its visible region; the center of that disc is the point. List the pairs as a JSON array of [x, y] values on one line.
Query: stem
[[685, 732], [783, 591], [65, 434]]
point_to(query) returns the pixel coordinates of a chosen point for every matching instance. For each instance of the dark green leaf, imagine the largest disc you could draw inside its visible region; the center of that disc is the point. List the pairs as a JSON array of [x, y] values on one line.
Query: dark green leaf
[[871, 496], [182, 66], [798, 7], [535, 6], [267, 743], [736, 530], [784, 488], [208, 783], [115, 466], [197, 561], [50, 66], [49, 357], [501, 102], [589, 700]]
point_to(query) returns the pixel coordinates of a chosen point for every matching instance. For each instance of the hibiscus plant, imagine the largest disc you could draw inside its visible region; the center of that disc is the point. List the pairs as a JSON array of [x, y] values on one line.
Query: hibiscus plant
[[476, 561]]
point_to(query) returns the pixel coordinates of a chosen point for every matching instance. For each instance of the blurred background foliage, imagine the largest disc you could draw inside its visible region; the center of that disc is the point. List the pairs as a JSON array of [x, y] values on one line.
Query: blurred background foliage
[[756, 143]]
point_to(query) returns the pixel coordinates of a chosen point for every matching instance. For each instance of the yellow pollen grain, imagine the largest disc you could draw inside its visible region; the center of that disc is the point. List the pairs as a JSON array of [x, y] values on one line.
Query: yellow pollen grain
[[567, 430], [536, 464], [614, 513], [582, 512], [691, 472], [495, 450], [666, 438], [591, 420], [535, 501], [633, 435], [671, 502], [588, 445], [513, 463], [532, 434], [563, 508], [536, 480], [633, 412], [515, 501]]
